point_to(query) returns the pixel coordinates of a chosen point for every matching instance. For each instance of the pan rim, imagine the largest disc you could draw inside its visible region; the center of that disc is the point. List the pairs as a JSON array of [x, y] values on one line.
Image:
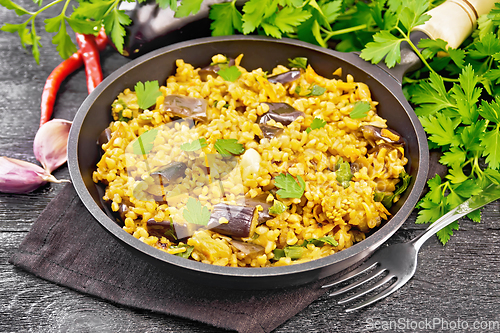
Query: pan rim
[[369, 244]]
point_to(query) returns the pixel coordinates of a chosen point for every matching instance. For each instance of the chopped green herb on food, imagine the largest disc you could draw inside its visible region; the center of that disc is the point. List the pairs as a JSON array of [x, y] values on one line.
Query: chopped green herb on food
[[321, 241], [360, 110], [404, 182], [230, 74], [343, 172], [317, 123], [288, 186], [229, 147], [196, 213], [194, 145], [295, 252], [145, 142], [147, 93], [317, 90], [277, 208], [299, 62], [122, 118], [186, 254], [312, 90]]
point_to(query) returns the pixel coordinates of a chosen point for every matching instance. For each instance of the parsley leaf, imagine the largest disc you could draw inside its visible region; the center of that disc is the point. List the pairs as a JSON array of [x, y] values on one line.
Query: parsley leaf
[[114, 24], [196, 213], [441, 129], [147, 93], [277, 208], [288, 18], [62, 40], [226, 19], [230, 73], [316, 124], [194, 145], [413, 15], [385, 45], [299, 62], [145, 142], [228, 147], [491, 143], [360, 110], [187, 7], [288, 186]]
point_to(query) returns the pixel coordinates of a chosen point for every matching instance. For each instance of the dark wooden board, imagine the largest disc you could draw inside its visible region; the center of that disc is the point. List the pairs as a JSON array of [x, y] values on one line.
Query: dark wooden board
[[457, 282]]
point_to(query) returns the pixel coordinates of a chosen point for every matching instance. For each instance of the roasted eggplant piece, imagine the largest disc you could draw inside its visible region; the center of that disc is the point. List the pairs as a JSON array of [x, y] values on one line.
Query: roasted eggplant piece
[[282, 113], [269, 131], [261, 200], [104, 137], [285, 77], [171, 172], [374, 134], [247, 248], [232, 220], [186, 107]]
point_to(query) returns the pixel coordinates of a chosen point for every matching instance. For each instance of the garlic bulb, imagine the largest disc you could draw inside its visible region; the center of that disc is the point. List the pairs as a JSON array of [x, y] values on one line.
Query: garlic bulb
[[51, 142], [18, 176]]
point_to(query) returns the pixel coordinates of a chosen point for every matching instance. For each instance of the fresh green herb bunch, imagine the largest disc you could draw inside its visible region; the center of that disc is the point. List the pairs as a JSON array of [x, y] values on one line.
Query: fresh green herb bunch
[[456, 99], [349, 24]]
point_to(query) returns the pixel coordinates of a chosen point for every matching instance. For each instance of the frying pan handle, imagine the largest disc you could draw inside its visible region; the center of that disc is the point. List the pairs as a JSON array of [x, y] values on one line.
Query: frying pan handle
[[454, 20]]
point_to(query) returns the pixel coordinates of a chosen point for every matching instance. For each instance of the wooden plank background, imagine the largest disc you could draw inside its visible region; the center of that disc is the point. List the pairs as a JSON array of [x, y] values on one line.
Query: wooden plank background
[[458, 282]]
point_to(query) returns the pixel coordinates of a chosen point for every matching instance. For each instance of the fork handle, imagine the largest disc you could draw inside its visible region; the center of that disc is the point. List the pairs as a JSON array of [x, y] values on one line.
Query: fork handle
[[487, 195]]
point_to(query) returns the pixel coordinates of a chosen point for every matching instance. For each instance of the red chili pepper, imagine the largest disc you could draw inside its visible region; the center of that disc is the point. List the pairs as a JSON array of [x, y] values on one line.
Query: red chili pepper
[[90, 56], [60, 73]]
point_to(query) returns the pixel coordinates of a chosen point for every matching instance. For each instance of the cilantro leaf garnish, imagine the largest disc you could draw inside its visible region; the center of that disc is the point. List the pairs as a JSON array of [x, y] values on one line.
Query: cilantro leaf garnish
[[299, 62], [145, 142], [230, 73], [196, 213], [229, 147], [360, 110], [194, 145], [316, 124], [147, 93], [288, 186], [277, 208]]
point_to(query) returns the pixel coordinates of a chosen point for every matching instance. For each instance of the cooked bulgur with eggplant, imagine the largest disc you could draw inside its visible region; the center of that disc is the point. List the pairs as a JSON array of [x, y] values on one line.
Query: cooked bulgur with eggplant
[[247, 168]]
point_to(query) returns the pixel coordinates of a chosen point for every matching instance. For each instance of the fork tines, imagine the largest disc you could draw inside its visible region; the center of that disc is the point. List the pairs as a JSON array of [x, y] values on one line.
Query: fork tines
[[374, 269]]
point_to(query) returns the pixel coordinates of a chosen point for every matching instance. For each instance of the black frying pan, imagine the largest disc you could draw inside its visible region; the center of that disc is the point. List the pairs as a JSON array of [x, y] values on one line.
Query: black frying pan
[[94, 116]]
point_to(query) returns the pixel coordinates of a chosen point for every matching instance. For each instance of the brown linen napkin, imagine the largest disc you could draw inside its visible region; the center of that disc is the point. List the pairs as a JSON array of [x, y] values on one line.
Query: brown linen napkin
[[66, 245]]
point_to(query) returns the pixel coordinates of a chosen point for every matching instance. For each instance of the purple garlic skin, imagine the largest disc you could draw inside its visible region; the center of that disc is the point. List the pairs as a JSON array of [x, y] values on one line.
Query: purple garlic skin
[[51, 143], [18, 176]]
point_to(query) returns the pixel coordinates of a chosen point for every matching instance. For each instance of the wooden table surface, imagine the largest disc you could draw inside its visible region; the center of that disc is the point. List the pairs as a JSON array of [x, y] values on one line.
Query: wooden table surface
[[456, 286]]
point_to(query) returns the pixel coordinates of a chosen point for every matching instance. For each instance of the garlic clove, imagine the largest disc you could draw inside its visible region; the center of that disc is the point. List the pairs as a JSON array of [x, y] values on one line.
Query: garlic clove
[[51, 142], [18, 176]]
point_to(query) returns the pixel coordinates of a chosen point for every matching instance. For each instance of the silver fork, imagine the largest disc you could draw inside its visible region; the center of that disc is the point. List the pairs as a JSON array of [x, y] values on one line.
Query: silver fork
[[399, 261]]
